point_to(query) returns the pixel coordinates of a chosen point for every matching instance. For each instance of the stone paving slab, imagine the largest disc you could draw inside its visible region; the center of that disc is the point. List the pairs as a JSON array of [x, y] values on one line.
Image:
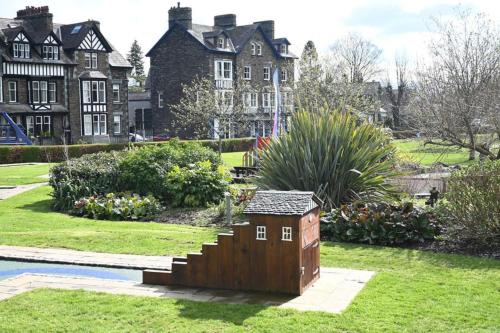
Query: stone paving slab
[[63, 256], [10, 191], [332, 293]]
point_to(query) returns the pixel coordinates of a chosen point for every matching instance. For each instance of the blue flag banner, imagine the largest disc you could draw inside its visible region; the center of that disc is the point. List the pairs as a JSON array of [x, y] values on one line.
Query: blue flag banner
[[277, 102]]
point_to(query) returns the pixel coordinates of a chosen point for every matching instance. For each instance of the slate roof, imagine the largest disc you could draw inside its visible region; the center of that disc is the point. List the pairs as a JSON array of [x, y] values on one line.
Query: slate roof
[[9, 28], [238, 37], [291, 203]]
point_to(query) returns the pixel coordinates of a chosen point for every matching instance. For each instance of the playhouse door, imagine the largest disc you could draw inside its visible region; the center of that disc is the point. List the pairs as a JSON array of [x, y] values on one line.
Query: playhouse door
[[310, 262]]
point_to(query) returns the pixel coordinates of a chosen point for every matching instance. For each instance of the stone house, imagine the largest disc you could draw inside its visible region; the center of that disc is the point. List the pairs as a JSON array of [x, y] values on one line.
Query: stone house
[[225, 53], [62, 82]]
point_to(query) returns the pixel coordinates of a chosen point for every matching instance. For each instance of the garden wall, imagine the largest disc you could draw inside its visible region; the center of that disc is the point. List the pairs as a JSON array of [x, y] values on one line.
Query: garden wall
[[25, 154]]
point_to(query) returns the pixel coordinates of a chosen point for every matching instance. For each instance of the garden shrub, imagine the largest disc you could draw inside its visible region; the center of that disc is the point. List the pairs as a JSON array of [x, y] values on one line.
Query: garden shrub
[[143, 169], [473, 206], [382, 224], [89, 175], [196, 185], [118, 207], [332, 154]]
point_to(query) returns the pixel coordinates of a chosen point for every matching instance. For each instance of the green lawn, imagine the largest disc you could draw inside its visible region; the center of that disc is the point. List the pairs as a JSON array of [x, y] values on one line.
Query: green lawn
[[414, 147], [24, 174], [27, 220], [233, 159], [413, 291], [430, 154]]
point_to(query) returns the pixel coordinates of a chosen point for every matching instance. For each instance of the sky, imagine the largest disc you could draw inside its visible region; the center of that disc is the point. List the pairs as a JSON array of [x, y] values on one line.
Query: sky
[[397, 27]]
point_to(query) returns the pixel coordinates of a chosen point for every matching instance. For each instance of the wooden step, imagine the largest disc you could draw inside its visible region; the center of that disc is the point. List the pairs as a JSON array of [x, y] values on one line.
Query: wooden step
[[179, 259], [210, 255], [180, 273], [225, 261], [150, 276], [197, 269]]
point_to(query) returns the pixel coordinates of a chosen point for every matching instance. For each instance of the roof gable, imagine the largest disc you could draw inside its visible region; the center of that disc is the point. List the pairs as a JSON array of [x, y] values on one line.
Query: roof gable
[[92, 42], [21, 37], [291, 203], [84, 36]]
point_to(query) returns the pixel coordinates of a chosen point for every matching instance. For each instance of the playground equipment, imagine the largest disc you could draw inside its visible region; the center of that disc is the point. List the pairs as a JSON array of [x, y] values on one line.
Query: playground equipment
[[10, 132]]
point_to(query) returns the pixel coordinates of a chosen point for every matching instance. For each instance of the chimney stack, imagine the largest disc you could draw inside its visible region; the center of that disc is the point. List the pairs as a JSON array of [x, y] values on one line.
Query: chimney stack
[[267, 27], [39, 17], [226, 21], [180, 15]]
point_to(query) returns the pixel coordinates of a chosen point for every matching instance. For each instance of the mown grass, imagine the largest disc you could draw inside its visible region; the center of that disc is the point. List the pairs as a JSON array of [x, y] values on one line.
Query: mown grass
[[429, 154], [24, 174], [413, 291], [27, 220]]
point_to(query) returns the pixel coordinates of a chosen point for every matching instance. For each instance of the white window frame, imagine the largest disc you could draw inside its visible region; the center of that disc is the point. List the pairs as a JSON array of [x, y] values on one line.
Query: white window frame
[[261, 232], [220, 43], [87, 124], [247, 73], [254, 50], [52, 92], [254, 102], [12, 90], [116, 93], [117, 124], [286, 234], [103, 125], [95, 124], [35, 92], [15, 50], [87, 92], [43, 92], [95, 91], [259, 49], [39, 123], [27, 51], [88, 60], [160, 100], [223, 70], [284, 75], [30, 125], [283, 49], [267, 73], [94, 59], [102, 92], [46, 121], [266, 100], [1, 89]]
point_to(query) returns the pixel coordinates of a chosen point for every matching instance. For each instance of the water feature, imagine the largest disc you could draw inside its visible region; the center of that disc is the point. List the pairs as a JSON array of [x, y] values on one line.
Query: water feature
[[10, 269]]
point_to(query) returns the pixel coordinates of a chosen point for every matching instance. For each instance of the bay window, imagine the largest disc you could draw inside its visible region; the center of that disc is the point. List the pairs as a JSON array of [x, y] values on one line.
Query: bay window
[[93, 100]]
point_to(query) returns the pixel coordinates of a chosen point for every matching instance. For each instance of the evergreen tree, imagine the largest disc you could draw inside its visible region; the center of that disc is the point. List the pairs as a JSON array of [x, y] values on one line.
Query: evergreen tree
[[310, 80], [135, 57]]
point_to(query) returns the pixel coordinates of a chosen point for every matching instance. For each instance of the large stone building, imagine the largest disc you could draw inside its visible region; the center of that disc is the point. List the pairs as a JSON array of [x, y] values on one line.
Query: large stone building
[[225, 53], [62, 82]]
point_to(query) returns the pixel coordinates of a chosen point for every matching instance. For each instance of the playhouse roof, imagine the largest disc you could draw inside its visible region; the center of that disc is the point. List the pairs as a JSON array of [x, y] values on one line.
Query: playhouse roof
[[282, 203]]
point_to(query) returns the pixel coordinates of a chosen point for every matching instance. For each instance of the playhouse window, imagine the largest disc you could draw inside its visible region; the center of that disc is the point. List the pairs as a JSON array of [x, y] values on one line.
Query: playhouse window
[[286, 234], [261, 232]]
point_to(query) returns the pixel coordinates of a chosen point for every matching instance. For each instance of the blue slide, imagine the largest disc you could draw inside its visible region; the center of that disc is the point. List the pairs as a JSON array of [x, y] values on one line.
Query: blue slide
[[10, 133]]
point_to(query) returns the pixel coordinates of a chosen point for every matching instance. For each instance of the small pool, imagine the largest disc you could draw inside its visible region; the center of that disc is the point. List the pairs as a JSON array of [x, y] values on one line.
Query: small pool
[[10, 268]]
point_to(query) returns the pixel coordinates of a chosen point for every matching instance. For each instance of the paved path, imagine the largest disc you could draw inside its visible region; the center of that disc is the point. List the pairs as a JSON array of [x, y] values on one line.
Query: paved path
[[333, 292], [10, 191], [63, 256]]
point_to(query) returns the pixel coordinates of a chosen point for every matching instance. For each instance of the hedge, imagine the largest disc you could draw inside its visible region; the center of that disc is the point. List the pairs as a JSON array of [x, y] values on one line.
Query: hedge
[[27, 154]]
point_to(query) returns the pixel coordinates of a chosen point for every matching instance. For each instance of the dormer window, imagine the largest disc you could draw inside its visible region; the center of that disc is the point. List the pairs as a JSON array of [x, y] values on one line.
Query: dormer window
[[254, 49], [21, 50], [220, 43], [283, 49], [21, 47], [259, 49], [50, 52], [50, 49]]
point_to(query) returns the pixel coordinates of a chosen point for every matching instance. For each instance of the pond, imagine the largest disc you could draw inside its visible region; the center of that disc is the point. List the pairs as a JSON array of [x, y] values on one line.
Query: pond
[[10, 269]]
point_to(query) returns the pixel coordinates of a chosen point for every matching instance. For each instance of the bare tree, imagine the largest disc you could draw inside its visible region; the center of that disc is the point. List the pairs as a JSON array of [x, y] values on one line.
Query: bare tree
[[457, 102], [205, 111], [356, 58], [398, 97]]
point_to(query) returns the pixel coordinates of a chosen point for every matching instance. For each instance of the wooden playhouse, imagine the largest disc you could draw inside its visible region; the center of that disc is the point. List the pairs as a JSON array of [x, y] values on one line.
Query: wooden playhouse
[[276, 251]]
